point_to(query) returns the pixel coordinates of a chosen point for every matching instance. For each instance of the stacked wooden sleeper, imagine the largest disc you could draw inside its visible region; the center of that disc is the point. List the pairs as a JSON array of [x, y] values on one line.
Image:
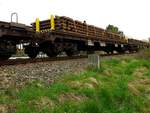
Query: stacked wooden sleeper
[[66, 24]]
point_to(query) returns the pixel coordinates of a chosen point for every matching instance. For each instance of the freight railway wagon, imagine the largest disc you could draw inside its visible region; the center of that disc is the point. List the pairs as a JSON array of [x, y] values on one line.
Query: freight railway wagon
[[137, 44], [12, 34], [61, 34]]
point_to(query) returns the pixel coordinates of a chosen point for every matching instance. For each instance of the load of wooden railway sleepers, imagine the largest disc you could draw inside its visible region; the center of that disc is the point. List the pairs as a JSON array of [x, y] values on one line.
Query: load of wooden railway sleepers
[[138, 42], [66, 24]]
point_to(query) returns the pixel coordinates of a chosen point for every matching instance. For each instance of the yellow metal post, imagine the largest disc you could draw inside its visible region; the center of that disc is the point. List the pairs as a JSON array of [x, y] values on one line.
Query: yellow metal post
[[52, 22], [37, 25]]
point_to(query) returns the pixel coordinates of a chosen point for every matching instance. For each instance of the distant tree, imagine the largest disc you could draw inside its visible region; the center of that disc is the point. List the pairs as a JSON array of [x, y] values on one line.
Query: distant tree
[[114, 29]]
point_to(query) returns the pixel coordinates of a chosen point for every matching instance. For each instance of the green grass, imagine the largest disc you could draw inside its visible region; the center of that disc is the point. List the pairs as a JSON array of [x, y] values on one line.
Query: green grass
[[144, 54], [110, 93]]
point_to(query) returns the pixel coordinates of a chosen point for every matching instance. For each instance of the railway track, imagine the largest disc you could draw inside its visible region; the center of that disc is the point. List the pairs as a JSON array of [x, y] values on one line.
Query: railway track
[[28, 60], [46, 59]]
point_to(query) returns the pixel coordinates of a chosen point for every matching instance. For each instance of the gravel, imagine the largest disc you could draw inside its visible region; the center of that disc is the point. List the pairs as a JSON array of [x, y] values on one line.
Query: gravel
[[17, 76]]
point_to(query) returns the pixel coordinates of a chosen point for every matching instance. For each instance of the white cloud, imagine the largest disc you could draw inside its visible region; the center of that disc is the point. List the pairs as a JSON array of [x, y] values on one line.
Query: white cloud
[[131, 16]]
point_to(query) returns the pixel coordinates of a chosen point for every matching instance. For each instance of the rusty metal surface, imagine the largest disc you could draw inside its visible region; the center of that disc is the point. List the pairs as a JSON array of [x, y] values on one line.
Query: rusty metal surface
[[15, 31]]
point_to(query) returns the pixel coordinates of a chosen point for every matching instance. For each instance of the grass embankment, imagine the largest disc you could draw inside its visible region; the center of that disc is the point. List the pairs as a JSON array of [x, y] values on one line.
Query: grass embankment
[[120, 86]]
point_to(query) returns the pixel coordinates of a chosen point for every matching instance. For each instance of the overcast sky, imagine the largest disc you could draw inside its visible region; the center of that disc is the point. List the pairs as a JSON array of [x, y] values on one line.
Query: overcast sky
[[131, 16]]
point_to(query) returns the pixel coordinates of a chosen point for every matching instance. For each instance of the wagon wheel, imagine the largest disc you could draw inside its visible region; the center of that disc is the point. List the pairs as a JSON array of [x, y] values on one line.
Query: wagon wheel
[[70, 52], [51, 51], [32, 52], [32, 55]]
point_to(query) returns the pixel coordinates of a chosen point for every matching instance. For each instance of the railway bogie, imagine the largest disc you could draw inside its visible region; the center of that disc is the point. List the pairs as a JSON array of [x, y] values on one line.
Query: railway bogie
[[32, 50]]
